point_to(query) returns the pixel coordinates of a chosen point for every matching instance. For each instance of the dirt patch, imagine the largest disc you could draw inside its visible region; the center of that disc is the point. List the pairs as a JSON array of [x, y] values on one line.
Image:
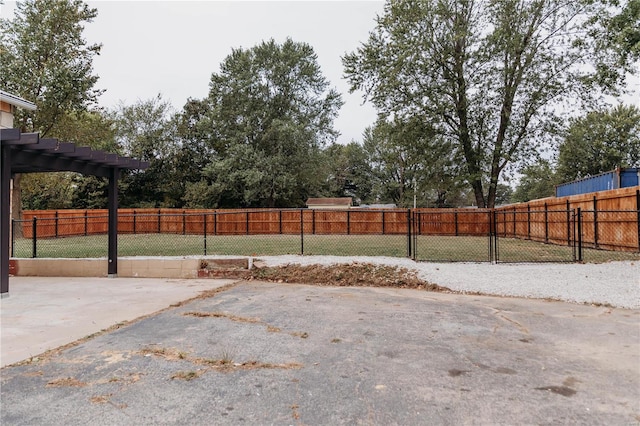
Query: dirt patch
[[66, 382], [222, 315], [348, 275]]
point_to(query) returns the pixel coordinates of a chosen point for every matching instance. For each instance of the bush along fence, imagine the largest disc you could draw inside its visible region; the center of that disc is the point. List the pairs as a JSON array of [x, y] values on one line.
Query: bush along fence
[[521, 233]]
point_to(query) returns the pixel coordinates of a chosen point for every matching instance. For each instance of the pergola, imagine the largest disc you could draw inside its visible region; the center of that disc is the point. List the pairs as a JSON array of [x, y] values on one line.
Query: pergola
[[27, 153]]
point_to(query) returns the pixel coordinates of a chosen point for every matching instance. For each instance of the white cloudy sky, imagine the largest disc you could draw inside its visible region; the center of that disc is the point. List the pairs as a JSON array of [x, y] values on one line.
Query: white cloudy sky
[[172, 47]]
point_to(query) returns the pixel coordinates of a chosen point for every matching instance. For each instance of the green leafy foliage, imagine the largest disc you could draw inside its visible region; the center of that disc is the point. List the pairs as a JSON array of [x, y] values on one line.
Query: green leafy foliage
[[269, 112], [44, 59], [146, 131], [487, 76], [538, 180], [599, 142], [348, 172]]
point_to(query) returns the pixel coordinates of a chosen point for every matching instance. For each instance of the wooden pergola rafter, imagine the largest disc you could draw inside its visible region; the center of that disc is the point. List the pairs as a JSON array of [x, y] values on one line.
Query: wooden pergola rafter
[[27, 153]]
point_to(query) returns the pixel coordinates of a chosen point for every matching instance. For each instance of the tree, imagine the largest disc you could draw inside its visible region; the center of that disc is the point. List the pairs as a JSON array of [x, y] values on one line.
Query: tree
[[487, 75], [348, 172], [538, 180], [616, 40], [599, 142], [270, 112], [72, 190], [410, 159], [44, 59], [146, 131]]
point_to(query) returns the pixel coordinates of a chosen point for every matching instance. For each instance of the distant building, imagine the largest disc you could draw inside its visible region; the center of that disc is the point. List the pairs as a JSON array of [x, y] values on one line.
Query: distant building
[[342, 203]]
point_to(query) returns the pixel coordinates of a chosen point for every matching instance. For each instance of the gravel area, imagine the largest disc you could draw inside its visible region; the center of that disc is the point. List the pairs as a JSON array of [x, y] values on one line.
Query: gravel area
[[614, 283]]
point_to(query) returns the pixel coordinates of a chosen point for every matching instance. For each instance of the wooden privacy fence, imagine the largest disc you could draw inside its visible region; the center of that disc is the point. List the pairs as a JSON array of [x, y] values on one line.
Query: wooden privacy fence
[[608, 220], [61, 223]]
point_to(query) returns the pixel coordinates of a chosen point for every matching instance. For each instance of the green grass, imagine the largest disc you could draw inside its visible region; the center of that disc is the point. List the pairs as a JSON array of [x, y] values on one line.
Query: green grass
[[428, 248]]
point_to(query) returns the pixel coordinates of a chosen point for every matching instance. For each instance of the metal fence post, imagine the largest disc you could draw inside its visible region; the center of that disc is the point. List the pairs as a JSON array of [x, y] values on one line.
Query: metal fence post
[[204, 232], [34, 239], [159, 219], [134, 221], [416, 232], [595, 221], [56, 222], [546, 224], [348, 222], [408, 232], [247, 222], [638, 208], [493, 235], [455, 220], [568, 224], [579, 236], [86, 223], [528, 221], [13, 237], [301, 232], [184, 222]]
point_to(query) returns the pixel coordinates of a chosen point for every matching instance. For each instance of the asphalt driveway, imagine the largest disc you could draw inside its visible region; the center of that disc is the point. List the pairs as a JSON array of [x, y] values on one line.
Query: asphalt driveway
[[263, 353]]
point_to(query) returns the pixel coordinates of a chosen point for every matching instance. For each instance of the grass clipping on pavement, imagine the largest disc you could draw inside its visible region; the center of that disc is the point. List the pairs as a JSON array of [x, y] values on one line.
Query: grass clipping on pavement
[[347, 275]]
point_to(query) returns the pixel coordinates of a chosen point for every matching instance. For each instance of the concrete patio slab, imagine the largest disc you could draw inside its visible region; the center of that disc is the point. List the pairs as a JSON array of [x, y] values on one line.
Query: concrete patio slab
[[43, 313]]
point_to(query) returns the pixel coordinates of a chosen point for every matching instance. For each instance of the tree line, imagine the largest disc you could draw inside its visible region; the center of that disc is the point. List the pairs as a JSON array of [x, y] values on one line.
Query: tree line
[[472, 97]]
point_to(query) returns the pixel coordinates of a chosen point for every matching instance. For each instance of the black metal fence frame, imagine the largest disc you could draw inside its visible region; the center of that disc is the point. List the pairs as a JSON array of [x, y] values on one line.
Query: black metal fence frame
[[574, 230]]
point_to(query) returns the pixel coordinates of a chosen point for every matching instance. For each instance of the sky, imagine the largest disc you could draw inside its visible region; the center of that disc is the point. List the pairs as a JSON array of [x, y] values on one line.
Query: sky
[[173, 47]]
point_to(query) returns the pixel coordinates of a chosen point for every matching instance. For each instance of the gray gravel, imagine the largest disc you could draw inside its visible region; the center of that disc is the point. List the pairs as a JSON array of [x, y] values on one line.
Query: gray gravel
[[614, 283]]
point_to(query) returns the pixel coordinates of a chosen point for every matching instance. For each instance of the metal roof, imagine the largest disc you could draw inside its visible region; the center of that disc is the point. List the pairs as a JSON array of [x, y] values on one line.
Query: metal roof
[[31, 154]]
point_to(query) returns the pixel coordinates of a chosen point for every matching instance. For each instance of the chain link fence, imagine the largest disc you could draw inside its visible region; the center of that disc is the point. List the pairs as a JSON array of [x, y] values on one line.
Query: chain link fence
[[437, 235]]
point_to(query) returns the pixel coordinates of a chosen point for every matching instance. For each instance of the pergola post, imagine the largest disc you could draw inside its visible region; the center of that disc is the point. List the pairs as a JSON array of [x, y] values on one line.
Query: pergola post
[[112, 203], [5, 217], [27, 153]]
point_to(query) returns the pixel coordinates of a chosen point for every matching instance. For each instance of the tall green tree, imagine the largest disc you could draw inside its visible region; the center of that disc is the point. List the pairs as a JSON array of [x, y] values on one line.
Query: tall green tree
[[270, 112], [599, 142], [487, 75], [146, 131], [44, 59]]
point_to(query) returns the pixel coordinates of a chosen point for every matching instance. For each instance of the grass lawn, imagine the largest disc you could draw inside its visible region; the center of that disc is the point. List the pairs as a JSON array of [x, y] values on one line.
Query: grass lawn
[[428, 248]]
